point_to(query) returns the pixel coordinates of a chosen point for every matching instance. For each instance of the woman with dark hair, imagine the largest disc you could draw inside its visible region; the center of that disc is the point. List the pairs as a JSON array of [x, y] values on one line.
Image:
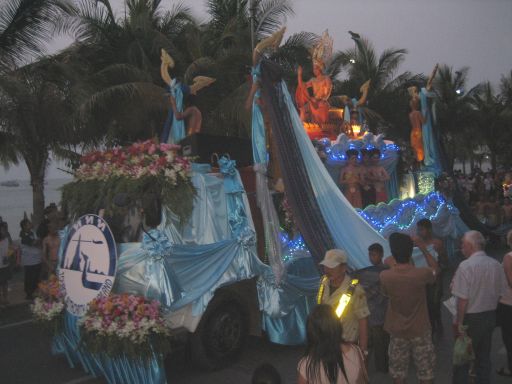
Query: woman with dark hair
[[329, 360]]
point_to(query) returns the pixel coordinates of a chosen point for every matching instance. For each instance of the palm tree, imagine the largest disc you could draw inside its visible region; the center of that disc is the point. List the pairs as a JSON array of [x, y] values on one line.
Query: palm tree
[[387, 97], [454, 112], [489, 119], [25, 25], [123, 53], [37, 116], [506, 90], [120, 57]]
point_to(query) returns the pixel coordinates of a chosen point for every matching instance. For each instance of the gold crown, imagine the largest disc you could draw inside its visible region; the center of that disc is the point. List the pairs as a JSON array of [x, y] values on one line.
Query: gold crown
[[322, 52]]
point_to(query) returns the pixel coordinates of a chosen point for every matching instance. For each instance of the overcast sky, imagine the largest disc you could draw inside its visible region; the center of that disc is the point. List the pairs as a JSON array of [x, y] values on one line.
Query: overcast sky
[[474, 33]]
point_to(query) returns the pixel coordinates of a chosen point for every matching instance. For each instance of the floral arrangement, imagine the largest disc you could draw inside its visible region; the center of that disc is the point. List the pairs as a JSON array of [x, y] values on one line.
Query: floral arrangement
[[287, 219], [125, 324], [135, 170], [136, 161], [48, 306]]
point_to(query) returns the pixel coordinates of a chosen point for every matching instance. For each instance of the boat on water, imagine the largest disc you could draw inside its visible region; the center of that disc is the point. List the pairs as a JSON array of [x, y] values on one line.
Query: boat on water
[[10, 183]]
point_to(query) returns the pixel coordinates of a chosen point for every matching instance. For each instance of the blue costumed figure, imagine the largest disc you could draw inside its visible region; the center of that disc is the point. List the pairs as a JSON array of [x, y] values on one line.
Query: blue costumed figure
[[430, 146], [260, 157], [174, 127]]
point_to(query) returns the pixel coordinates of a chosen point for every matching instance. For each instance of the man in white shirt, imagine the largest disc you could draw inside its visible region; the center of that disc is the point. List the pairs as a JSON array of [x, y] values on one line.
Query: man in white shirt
[[478, 284]]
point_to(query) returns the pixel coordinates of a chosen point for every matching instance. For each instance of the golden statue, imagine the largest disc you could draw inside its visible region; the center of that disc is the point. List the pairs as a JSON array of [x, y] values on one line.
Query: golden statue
[[351, 113], [315, 108], [184, 112], [417, 119]]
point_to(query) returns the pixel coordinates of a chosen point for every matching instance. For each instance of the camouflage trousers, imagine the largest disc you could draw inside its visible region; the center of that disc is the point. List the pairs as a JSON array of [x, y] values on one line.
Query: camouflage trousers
[[423, 354]]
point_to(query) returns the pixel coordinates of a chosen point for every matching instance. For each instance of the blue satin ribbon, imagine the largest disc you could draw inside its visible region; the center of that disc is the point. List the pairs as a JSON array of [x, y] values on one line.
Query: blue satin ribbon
[[178, 126], [259, 144], [118, 370]]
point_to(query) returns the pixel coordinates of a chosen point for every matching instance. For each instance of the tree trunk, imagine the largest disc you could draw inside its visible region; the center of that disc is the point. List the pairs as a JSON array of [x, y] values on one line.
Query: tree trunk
[[37, 167]]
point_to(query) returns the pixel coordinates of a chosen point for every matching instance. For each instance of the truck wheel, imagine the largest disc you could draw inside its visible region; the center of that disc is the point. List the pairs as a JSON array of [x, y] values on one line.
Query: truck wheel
[[220, 336]]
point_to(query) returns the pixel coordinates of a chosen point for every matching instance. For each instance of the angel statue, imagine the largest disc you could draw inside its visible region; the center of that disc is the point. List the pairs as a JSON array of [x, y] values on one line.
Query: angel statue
[[259, 145], [421, 133], [352, 107], [181, 97], [315, 108], [260, 136]]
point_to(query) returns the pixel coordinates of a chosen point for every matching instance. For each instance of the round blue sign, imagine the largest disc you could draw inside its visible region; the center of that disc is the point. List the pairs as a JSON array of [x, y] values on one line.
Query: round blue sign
[[88, 266]]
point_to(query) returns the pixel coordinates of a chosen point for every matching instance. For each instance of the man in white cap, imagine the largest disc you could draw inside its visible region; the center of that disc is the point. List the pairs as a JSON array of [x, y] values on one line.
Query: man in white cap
[[334, 285]]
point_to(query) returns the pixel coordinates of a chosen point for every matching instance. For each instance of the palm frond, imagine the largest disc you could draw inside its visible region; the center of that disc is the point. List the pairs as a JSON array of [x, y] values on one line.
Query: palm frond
[[8, 154], [120, 73], [271, 15], [173, 22], [25, 25], [201, 66]]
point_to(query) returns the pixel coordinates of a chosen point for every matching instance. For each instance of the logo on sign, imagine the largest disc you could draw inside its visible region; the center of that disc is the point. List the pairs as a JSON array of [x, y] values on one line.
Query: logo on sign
[[88, 265]]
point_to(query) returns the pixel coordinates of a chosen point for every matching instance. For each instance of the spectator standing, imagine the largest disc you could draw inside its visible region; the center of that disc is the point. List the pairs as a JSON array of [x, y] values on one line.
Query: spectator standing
[[337, 282], [31, 258], [504, 313], [434, 291], [477, 285], [377, 303], [328, 358], [5, 272], [51, 245], [407, 319]]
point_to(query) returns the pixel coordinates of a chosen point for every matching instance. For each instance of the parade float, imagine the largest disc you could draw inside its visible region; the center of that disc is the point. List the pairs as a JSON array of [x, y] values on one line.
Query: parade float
[[163, 251]]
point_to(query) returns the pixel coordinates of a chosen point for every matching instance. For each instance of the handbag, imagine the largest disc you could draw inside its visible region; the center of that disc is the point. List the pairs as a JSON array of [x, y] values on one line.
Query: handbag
[[363, 377], [463, 349]]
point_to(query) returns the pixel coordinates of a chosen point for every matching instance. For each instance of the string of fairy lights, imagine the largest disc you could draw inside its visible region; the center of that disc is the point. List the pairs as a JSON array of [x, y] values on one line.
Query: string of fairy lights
[[336, 153], [404, 215]]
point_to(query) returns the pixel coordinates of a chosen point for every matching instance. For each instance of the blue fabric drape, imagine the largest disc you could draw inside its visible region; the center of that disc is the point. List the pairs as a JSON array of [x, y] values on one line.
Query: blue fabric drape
[[164, 137], [119, 370], [342, 220], [197, 266], [431, 160], [259, 144], [178, 126]]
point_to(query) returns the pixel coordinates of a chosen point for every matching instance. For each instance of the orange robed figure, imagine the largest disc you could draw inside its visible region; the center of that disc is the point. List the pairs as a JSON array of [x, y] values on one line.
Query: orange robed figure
[[314, 108]]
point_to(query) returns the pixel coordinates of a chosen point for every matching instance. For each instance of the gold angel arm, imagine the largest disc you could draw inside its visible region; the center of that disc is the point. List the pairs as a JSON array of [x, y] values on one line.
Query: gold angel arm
[[166, 63], [365, 88], [272, 42], [431, 78], [200, 82]]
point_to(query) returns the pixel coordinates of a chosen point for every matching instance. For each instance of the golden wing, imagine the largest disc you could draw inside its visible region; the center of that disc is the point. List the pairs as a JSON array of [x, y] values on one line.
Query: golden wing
[[166, 58], [272, 42], [200, 82]]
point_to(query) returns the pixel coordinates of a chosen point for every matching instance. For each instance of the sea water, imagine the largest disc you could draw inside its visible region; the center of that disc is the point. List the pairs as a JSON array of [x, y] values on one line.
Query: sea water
[[15, 201]]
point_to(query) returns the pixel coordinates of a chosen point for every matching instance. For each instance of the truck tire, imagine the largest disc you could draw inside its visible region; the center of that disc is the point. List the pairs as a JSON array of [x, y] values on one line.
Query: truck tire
[[220, 336]]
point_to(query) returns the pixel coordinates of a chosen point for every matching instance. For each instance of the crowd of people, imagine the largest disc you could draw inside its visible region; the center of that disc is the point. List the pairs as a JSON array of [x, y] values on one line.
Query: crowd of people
[[488, 195], [391, 309], [36, 252]]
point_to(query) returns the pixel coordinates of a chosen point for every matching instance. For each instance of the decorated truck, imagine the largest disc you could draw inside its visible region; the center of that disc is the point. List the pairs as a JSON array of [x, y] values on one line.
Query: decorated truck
[[162, 251], [165, 249]]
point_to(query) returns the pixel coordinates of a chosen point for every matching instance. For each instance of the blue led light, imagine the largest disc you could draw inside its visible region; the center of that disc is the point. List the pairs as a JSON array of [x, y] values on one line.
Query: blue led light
[[419, 209], [388, 150]]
